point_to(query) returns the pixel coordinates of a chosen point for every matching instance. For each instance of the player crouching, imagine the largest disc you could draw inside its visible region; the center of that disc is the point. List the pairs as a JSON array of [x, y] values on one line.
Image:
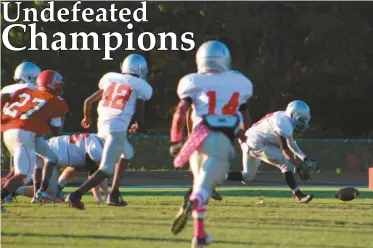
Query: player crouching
[[271, 140]]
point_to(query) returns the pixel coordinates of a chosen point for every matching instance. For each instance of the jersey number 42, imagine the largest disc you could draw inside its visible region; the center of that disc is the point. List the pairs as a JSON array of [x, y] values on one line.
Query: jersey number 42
[[116, 96]]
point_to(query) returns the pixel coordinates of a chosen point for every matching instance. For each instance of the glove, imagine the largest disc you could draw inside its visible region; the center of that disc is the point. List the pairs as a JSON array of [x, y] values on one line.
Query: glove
[[175, 148], [311, 163], [303, 173]]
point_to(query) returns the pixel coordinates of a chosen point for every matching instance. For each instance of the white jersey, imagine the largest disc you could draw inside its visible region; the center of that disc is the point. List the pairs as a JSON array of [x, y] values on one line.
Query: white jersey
[[71, 150], [220, 94], [268, 130], [11, 89], [118, 104]]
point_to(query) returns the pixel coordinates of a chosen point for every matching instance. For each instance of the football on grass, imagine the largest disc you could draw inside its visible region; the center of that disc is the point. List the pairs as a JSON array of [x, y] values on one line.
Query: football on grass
[[347, 194]]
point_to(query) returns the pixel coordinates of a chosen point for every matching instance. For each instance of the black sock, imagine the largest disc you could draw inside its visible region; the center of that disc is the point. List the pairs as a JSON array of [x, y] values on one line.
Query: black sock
[[235, 176], [4, 193], [290, 180], [37, 179]]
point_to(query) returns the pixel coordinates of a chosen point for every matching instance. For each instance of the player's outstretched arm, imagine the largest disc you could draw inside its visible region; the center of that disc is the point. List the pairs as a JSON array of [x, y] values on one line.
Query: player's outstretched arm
[[95, 97], [294, 148]]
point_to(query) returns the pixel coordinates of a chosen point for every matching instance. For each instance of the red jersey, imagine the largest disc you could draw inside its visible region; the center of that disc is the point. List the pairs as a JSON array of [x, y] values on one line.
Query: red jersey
[[32, 110]]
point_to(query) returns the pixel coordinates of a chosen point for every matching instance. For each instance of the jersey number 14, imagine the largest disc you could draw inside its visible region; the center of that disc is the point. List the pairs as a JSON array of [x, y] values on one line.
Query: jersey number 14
[[116, 96], [229, 109]]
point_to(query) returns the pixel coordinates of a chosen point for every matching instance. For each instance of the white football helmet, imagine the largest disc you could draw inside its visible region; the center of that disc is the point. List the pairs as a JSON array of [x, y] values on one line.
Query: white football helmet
[[299, 113], [213, 55], [26, 72], [135, 64]]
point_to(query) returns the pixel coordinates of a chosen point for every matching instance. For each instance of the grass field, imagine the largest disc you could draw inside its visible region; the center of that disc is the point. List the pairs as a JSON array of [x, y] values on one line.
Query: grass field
[[235, 222]]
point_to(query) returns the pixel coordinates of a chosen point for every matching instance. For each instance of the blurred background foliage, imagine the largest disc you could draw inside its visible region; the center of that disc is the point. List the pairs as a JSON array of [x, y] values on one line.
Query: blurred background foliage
[[320, 52]]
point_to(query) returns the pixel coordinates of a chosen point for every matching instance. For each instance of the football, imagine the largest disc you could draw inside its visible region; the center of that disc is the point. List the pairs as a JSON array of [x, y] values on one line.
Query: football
[[347, 194]]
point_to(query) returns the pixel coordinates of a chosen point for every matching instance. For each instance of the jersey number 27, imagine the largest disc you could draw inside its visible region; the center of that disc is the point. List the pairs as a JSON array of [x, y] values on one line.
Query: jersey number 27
[[116, 96], [25, 107]]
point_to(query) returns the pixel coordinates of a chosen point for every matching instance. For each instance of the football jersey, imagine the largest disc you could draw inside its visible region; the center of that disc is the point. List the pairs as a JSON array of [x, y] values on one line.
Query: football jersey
[[32, 110], [220, 94], [71, 150], [118, 103], [268, 130]]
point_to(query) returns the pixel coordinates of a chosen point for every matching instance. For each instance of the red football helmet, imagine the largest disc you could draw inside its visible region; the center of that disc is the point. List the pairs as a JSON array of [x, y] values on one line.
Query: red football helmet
[[51, 81]]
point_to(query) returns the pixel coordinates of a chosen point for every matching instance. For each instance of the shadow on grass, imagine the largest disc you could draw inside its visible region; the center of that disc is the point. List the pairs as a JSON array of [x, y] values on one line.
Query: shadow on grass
[[153, 239], [241, 193]]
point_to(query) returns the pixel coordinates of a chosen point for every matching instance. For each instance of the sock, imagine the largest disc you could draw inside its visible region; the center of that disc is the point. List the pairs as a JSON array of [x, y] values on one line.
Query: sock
[[234, 176], [199, 228], [290, 180], [62, 182], [20, 190], [37, 179], [199, 198], [4, 193]]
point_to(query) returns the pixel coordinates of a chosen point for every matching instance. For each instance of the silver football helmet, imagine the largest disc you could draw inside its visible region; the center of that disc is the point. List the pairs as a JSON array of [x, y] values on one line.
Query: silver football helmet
[[213, 55], [135, 64], [26, 72], [299, 113]]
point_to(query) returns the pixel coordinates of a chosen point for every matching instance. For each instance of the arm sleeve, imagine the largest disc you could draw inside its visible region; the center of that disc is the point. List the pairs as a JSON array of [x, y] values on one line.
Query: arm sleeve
[[103, 80], [186, 89], [145, 91]]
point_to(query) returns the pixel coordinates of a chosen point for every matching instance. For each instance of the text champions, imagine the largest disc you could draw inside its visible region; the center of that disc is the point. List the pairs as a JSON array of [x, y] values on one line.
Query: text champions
[[76, 41]]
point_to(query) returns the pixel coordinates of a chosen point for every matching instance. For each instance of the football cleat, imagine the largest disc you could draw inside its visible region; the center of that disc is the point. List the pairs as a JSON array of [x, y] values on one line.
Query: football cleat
[[216, 196], [115, 199], [10, 198], [201, 242], [73, 201], [44, 196], [182, 217], [304, 198]]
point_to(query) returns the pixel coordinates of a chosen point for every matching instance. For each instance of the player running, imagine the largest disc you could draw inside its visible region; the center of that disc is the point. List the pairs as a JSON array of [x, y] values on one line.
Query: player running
[[216, 94], [26, 115], [25, 76], [271, 140], [119, 95]]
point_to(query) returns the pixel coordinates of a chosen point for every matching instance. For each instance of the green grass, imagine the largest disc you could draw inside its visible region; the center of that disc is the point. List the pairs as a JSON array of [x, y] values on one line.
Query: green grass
[[235, 222]]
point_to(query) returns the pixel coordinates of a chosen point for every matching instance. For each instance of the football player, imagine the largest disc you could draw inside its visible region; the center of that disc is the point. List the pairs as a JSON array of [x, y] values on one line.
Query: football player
[[271, 140], [119, 94], [26, 115], [78, 152], [25, 77], [216, 94]]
